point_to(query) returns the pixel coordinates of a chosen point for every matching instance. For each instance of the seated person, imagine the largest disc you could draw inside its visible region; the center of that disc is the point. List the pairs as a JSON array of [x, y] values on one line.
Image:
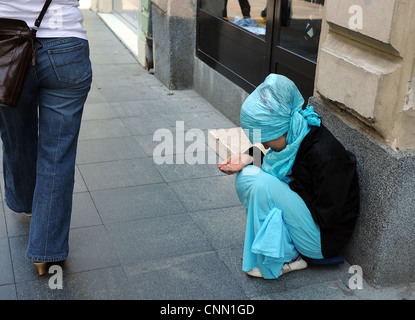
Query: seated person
[[303, 200]]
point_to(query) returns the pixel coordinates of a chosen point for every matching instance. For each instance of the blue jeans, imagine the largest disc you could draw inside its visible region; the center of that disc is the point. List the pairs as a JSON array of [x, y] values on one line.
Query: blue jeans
[[40, 141]]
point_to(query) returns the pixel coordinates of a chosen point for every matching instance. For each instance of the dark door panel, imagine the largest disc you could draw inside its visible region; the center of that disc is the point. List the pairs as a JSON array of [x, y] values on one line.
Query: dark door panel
[[233, 50], [288, 44], [298, 69]]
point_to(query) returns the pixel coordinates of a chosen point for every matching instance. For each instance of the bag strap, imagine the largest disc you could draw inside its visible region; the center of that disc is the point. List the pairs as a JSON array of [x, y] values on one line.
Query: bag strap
[[42, 13]]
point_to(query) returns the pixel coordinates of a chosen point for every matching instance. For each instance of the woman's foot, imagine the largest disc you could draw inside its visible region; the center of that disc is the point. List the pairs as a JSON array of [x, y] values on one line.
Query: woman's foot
[[255, 272], [41, 267], [294, 265]]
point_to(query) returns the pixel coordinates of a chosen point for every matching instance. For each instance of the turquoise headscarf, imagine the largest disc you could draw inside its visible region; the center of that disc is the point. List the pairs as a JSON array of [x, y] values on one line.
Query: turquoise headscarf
[[273, 109]]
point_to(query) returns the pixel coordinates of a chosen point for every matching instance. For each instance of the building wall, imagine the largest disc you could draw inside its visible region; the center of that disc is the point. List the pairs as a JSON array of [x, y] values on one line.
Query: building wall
[[222, 93], [174, 38], [364, 92], [371, 44]]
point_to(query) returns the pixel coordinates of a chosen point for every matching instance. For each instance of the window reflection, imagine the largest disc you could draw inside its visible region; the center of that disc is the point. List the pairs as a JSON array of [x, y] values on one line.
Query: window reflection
[[301, 26], [247, 14], [130, 10]]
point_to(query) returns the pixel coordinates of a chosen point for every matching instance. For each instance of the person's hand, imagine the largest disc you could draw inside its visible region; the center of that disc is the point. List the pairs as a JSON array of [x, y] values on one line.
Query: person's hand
[[235, 163]]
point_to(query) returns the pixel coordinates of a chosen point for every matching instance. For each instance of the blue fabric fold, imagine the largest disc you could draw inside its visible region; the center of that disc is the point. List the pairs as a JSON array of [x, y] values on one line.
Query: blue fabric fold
[[268, 238], [279, 225]]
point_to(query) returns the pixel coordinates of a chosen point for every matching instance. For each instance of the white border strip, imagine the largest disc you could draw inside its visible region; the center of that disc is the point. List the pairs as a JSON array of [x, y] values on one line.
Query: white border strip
[[125, 34]]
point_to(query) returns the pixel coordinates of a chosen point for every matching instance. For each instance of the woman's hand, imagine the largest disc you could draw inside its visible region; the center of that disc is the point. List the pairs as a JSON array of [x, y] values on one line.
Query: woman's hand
[[235, 163]]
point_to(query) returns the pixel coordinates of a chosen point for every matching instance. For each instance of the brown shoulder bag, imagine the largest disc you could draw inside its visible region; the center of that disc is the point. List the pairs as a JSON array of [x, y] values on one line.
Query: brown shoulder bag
[[17, 53]]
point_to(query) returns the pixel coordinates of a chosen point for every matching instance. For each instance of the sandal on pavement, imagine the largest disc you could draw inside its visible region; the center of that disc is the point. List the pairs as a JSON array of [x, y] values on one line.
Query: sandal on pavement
[[255, 272], [294, 265]]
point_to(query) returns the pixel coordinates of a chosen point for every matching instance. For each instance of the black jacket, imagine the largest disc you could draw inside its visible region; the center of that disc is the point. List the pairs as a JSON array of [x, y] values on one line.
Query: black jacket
[[325, 177]]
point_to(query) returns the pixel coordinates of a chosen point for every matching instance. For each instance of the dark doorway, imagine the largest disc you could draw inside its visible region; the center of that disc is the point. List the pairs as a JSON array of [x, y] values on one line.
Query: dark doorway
[[245, 40]]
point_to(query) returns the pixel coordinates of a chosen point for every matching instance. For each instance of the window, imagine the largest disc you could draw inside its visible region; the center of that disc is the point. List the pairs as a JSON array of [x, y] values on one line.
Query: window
[[245, 40], [231, 38], [130, 11], [301, 26], [249, 15]]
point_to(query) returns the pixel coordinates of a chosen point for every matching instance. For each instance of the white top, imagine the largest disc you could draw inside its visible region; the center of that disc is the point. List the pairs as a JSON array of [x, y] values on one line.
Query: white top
[[63, 18]]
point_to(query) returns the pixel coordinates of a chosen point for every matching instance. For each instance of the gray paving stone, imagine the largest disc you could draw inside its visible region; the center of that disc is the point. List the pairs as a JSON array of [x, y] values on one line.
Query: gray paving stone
[[168, 142], [3, 229], [131, 203], [156, 238], [108, 149], [224, 227], [97, 111], [111, 56], [186, 171], [23, 269], [136, 108], [84, 212], [333, 290], [6, 271], [100, 284], [17, 223], [118, 174], [128, 93], [184, 105], [80, 185], [148, 145], [90, 249], [103, 128], [8, 292], [192, 276], [136, 77], [146, 125], [160, 106], [207, 120], [94, 95], [113, 70], [206, 193]]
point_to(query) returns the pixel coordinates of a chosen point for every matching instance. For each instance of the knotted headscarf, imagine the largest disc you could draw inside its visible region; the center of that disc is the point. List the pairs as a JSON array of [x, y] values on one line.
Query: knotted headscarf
[[273, 109]]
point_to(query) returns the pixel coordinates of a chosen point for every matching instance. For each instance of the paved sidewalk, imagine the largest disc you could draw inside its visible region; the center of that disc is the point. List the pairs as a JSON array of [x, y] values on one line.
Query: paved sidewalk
[[141, 230]]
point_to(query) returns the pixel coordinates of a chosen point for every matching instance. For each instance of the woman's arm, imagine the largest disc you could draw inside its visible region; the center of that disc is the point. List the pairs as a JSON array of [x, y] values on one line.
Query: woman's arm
[[237, 162]]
